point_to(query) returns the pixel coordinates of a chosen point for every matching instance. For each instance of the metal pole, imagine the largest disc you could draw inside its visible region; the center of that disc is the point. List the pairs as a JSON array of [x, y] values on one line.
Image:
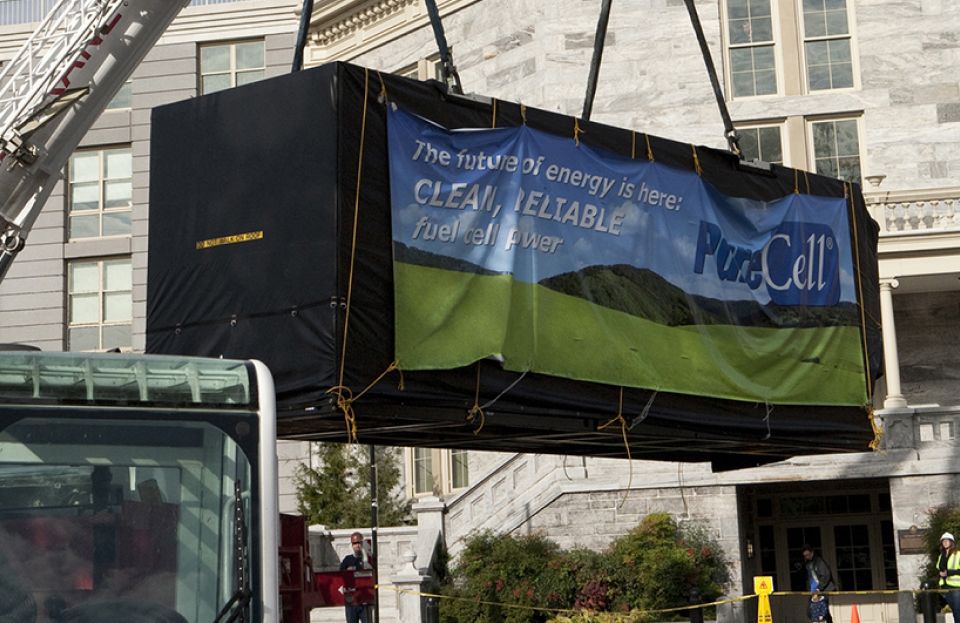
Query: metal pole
[[374, 521], [696, 614], [928, 604], [598, 42]]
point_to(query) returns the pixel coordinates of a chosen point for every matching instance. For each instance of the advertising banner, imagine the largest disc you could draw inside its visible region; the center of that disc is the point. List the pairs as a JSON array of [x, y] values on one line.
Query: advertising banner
[[554, 257]]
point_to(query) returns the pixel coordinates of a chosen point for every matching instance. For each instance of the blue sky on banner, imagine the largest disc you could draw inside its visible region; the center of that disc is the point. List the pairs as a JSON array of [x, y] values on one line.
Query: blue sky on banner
[[532, 204]]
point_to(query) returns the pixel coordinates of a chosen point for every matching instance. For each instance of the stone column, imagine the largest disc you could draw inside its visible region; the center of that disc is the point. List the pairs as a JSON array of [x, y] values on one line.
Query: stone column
[[409, 583], [891, 361]]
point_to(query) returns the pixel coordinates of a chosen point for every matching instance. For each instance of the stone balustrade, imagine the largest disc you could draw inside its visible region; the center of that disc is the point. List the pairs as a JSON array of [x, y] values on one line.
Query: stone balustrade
[[915, 212]]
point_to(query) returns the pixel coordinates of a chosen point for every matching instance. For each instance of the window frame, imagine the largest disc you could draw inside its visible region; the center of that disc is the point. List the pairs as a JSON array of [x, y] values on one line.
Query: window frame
[[232, 71], [442, 471], [803, 40], [781, 126], [101, 292], [789, 43], [111, 105], [810, 121], [102, 180], [776, 43]]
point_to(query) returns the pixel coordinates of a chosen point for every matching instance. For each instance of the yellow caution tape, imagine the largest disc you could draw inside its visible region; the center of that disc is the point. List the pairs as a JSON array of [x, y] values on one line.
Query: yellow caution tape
[[406, 591], [657, 611]]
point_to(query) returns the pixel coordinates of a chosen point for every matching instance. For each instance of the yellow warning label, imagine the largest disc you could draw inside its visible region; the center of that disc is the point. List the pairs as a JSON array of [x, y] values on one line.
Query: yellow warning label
[[763, 584], [234, 239]]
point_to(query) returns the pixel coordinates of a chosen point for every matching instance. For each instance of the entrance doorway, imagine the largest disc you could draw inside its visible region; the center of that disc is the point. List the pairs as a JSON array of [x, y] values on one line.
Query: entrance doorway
[[849, 523]]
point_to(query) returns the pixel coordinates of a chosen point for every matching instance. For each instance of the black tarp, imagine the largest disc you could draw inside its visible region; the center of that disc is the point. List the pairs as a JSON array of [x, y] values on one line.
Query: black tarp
[[252, 240]]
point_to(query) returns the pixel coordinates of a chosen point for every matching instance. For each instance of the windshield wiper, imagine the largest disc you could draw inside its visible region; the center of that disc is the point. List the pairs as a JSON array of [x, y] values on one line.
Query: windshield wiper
[[241, 598]]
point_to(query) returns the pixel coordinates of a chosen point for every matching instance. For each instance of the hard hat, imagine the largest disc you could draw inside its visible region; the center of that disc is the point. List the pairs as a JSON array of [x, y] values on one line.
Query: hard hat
[[947, 535]]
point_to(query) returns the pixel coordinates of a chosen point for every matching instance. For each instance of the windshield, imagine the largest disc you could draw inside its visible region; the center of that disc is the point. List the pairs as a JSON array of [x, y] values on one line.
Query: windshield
[[118, 519]]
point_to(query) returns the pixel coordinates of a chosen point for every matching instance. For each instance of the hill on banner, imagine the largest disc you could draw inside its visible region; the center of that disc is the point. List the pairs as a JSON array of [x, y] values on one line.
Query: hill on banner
[[446, 271]]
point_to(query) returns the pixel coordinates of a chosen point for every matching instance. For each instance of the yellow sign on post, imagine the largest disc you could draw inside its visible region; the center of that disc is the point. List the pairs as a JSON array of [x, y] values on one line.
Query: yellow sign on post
[[763, 586]]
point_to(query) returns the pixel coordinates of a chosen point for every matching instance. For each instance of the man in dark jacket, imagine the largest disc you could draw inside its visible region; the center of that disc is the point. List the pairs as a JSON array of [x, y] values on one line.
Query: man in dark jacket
[[357, 561], [819, 580]]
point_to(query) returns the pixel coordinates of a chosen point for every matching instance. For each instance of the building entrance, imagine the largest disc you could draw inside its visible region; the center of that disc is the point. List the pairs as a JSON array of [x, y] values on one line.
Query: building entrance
[[849, 523]]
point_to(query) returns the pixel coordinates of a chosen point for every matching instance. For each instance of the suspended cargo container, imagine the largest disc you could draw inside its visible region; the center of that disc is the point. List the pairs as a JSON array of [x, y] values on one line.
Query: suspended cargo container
[[419, 268]]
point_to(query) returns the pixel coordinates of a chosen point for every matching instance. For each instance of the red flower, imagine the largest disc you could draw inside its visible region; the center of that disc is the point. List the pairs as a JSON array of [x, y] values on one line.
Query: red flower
[[499, 585]]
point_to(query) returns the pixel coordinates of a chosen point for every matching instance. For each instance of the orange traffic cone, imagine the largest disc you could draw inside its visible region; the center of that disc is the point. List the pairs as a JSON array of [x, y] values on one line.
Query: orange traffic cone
[[854, 614]]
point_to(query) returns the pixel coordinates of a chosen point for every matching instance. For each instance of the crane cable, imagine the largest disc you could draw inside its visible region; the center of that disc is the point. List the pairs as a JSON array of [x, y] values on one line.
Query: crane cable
[[730, 133], [448, 72]]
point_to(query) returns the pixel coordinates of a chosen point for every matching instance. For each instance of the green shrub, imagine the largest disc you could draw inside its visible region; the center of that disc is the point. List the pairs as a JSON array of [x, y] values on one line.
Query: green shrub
[[652, 567], [525, 571], [660, 563]]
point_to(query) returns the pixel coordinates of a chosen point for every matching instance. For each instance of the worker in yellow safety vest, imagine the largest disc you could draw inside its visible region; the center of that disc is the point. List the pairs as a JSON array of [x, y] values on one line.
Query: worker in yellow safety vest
[[948, 567]]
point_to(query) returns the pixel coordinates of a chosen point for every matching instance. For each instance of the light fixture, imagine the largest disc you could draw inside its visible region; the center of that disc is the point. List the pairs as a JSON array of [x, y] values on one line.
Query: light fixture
[[749, 548], [875, 180]]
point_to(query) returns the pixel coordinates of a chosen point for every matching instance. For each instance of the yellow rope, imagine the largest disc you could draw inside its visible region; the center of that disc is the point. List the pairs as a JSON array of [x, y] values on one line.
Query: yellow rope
[[633, 145], [493, 120], [626, 443], [523, 113], [382, 96], [390, 368], [476, 411], [796, 181], [345, 404], [646, 137], [696, 160], [345, 400], [875, 426], [577, 131], [806, 181]]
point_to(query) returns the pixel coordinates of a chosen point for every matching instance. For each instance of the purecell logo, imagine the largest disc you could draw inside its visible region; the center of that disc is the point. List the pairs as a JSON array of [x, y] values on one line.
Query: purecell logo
[[799, 264]]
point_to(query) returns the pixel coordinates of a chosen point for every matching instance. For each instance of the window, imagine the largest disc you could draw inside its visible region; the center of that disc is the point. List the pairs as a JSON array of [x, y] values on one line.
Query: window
[[229, 65], [424, 69], [761, 143], [788, 47], [100, 304], [854, 566], [432, 470], [100, 193], [459, 475], [826, 44], [422, 470], [750, 37], [836, 148], [122, 98]]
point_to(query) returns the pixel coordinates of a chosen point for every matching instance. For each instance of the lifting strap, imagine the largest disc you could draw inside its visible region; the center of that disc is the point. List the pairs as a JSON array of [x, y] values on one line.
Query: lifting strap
[[447, 70], [598, 42], [730, 133], [306, 12]]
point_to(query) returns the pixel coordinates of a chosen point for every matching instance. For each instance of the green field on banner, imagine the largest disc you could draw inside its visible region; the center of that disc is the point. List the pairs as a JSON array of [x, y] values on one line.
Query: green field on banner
[[448, 319]]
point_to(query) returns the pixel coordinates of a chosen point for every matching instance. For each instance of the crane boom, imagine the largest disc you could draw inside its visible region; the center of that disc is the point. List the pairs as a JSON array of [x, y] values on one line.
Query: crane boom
[[55, 88]]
